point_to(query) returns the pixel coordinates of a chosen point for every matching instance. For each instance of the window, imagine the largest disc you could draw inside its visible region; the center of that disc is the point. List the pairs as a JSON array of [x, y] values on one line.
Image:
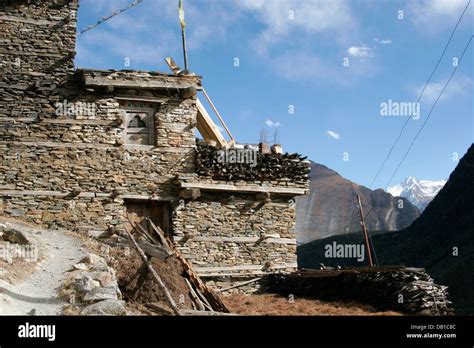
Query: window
[[139, 127]]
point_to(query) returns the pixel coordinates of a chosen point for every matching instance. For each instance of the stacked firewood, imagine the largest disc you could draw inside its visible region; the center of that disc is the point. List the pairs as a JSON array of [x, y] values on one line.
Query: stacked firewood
[[405, 290], [264, 167]]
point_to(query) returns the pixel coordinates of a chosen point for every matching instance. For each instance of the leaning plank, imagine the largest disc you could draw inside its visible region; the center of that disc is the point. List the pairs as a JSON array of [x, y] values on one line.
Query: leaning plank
[[158, 279], [154, 250], [195, 297], [214, 300], [145, 232], [204, 300], [159, 232]]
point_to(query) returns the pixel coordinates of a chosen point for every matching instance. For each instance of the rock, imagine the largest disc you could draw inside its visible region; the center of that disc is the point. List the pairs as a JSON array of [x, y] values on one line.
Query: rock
[[107, 307], [81, 267], [109, 292], [15, 212], [105, 278], [93, 259], [14, 236], [98, 234], [85, 284]]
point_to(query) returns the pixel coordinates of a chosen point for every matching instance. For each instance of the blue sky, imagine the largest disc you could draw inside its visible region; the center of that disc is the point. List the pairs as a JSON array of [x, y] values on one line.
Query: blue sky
[[291, 56]]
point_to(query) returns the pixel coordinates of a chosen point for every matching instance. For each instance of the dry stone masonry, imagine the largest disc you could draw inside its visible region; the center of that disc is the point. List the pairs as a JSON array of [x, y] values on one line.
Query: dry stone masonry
[[82, 149]]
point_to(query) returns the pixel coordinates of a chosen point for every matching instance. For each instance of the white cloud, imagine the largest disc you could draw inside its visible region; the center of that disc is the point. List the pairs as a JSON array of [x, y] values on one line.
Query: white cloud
[[457, 87], [434, 15], [361, 52], [383, 42], [333, 134], [308, 17], [272, 124]]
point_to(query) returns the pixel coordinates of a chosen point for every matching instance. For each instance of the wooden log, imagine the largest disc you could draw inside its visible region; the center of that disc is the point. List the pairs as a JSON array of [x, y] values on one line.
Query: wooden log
[[158, 279]]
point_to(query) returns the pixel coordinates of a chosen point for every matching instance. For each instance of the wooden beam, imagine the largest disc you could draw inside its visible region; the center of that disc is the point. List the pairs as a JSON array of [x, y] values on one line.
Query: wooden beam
[[173, 66], [190, 193], [142, 99], [240, 284], [152, 82], [203, 270], [69, 121], [247, 240], [246, 188], [207, 127]]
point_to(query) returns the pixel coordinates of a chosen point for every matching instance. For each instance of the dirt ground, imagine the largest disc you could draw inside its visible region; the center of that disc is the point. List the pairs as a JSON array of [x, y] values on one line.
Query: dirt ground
[[275, 305], [139, 287]]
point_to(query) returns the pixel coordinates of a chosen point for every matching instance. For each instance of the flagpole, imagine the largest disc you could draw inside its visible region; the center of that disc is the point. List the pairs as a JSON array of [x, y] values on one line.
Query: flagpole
[[183, 33]]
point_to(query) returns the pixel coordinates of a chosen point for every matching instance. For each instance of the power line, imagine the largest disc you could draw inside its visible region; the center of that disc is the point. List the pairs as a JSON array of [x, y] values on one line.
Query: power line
[[421, 94], [431, 111], [112, 15]]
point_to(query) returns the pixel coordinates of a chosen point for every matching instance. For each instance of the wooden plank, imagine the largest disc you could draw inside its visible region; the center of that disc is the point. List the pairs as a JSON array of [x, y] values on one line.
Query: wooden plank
[[152, 82], [207, 127], [247, 188], [240, 284], [173, 66], [81, 122], [85, 195], [195, 297], [248, 240], [157, 100], [203, 270], [160, 233], [62, 145]]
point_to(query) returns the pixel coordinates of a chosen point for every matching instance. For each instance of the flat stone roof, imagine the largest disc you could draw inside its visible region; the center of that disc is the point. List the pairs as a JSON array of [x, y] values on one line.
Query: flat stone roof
[[137, 79]]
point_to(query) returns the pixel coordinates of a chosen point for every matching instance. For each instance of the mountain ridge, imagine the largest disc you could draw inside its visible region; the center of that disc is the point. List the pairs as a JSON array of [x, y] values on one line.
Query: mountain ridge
[[419, 192], [330, 208]]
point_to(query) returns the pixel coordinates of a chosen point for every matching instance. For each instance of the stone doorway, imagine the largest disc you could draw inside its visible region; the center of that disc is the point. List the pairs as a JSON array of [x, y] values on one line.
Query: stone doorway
[[156, 211]]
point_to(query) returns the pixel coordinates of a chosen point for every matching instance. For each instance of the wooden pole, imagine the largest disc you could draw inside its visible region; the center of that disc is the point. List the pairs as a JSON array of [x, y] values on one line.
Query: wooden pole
[[183, 33], [366, 234], [168, 296], [185, 51], [218, 115]]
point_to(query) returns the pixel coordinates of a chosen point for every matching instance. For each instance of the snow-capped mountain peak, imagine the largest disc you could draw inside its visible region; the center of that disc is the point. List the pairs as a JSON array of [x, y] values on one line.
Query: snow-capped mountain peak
[[418, 192]]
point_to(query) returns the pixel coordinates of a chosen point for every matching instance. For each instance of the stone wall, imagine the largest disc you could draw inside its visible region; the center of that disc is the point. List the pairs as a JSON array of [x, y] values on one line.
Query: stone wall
[[37, 48], [64, 168], [43, 163], [225, 233]]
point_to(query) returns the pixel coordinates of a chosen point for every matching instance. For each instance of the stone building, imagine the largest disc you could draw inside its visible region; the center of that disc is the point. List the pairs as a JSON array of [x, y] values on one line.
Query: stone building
[[92, 150]]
